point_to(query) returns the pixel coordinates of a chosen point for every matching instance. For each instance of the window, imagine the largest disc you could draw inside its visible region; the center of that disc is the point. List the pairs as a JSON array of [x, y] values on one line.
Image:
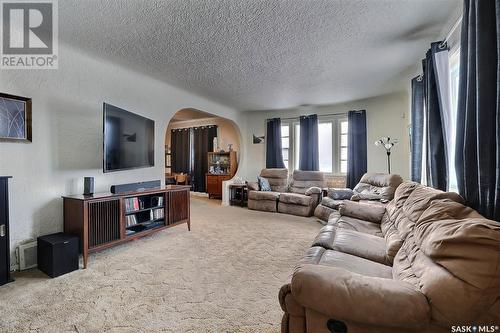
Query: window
[[343, 146], [332, 145], [296, 146], [285, 143], [454, 70], [325, 138]]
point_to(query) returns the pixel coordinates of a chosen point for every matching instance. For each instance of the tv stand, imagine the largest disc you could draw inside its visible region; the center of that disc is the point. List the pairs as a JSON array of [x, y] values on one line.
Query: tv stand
[[103, 220]]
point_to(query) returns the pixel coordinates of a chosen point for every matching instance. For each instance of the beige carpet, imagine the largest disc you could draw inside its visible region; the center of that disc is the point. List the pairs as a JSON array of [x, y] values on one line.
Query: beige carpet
[[223, 276]]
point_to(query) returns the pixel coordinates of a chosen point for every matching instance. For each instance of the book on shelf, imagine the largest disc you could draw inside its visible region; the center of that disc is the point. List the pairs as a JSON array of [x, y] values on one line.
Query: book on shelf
[[132, 204], [157, 201], [157, 214], [130, 220]]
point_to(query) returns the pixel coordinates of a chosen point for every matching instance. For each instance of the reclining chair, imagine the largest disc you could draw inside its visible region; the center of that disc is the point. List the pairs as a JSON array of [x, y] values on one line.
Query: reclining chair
[[268, 200], [304, 193], [372, 188]]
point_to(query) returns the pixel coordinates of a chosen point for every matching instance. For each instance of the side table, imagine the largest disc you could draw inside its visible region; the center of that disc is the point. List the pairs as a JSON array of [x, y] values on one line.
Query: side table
[[238, 194]]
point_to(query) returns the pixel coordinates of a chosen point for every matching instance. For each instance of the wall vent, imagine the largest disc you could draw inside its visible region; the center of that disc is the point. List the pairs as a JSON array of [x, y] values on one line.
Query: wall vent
[[27, 254]]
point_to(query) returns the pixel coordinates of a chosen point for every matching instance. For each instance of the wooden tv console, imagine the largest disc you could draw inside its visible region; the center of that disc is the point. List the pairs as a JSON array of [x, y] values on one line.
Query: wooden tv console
[[103, 220]]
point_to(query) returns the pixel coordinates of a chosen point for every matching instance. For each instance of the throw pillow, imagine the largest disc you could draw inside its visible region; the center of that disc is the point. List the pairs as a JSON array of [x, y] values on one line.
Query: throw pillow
[[264, 184]]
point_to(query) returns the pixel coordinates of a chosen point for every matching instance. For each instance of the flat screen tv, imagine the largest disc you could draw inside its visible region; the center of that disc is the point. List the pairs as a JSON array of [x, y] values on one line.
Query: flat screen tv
[[128, 140]]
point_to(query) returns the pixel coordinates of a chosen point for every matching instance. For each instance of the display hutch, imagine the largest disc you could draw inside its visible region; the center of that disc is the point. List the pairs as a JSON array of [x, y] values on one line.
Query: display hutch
[[222, 166]]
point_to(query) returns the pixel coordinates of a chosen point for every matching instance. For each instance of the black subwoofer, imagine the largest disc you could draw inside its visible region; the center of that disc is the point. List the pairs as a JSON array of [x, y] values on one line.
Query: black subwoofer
[[58, 254]]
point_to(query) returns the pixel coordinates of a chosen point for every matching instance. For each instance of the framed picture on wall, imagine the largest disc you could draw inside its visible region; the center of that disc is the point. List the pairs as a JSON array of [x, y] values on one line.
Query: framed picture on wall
[[15, 118]]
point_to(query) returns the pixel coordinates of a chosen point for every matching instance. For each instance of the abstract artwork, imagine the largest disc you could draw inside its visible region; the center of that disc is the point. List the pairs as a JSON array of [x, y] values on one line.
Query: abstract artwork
[[258, 139], [15, 118]]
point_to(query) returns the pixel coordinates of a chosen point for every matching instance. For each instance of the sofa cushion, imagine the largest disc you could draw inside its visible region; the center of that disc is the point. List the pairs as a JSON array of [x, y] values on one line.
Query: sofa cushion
[[363, 211], [325, 237], [380, 184], [360, 245], [351, 223], [410, 201], [263, 205], [461, 240], [452, 256], [278, 179], [264, 184], [331, 203], [294, 209], [366, 195], [355, 264], [263, 195], [323, 212], [303, 180], [313, 255], [295, 199]]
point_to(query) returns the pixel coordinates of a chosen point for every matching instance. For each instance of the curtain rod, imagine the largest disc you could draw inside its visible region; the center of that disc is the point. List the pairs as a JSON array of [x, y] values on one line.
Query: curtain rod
[[186, 128], [319, 116]]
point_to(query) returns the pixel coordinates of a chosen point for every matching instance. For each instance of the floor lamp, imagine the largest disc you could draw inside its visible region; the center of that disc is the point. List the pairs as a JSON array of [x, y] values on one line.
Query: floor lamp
[[387, 144]]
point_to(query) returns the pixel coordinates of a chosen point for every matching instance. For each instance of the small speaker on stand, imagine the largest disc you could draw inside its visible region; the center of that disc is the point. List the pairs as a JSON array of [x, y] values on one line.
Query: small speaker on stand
[[88, 186]]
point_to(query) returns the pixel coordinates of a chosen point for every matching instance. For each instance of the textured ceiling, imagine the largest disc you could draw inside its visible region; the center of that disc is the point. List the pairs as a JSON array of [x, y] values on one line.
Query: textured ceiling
[[253, 54]]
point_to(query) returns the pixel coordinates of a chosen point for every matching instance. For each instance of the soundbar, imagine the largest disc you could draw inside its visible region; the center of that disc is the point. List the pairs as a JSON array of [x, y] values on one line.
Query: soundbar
[[135, 187]]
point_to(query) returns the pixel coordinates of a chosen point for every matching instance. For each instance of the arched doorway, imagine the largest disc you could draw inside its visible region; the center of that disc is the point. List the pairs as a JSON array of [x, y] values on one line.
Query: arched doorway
[[201, 150]]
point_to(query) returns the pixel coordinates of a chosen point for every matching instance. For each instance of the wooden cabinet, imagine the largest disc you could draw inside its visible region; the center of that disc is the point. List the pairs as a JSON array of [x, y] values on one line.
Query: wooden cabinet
[[222, 163], [103, 220], [221, 167], [178, 206], [214, 184]]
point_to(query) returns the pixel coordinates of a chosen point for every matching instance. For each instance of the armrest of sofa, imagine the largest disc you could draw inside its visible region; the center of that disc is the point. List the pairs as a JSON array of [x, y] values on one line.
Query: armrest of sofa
[[253, 186], [362, 211], [316, 194], [347, 296], [313, 190], [366, 196], [287, 303]]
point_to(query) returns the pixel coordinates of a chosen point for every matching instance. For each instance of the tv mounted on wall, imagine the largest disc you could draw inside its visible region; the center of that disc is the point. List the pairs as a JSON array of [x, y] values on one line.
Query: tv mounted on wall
[[128, 140]]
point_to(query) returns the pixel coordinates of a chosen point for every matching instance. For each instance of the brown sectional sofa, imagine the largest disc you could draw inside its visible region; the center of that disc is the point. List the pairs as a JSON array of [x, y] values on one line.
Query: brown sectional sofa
[[299, 197], [372, 188], [423, 263]]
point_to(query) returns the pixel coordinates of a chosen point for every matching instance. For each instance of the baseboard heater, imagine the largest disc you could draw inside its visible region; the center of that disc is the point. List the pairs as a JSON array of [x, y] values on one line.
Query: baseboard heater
[[27, 255]]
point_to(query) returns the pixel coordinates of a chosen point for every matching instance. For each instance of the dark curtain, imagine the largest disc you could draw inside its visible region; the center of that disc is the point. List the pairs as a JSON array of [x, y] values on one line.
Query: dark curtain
[[274, 154], [478, 119], [181, 149], [309, 144], [356, 147], [203, 142], [436, 161], [417, 127]]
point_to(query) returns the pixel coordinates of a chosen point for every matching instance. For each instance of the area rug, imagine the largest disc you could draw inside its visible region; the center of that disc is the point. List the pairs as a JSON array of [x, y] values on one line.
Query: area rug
[[222, 276]]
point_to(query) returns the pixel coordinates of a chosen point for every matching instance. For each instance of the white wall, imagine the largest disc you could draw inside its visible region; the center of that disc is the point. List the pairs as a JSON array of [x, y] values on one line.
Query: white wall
[[67, 133], [386, 116]]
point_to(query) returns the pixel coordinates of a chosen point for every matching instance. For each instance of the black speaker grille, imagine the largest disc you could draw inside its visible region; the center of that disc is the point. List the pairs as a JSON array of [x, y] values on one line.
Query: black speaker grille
[[104, 222]]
